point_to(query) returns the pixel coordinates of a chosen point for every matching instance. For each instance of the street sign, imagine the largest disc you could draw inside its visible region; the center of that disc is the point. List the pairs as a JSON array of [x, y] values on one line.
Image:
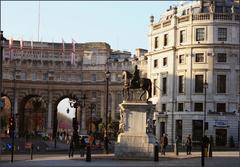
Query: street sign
[[9, 146], [28, 145]]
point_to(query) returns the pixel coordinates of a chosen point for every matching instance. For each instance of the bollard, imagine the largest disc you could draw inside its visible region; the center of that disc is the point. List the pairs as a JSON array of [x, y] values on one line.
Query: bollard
[[210, 150], [88, 154], [176, 149], [31, 152], [156, 150]]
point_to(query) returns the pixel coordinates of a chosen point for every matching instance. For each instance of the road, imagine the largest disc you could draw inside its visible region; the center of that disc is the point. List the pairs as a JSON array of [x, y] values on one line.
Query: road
[[219, 159]]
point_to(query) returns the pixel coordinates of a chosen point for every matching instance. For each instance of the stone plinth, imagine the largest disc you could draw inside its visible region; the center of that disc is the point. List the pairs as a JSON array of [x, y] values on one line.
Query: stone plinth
[[136, 140]]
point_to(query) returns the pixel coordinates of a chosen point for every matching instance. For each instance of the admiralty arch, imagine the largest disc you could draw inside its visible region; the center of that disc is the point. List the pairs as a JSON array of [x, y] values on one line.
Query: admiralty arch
[[38, 75]]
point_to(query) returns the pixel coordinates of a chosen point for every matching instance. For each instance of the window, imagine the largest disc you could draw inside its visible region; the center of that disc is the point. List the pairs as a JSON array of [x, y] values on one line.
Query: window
[[163, 107], [181, 59], [180, 106], [221, 57], [221, 83], [222, 34], [34, 76], [180, 84], [45, 76], [199, 58], [155, 63], [164, 85], [221, 107], [197, 130], [164, 61], [165, 39], [198, 83], [200, 34], [182, 36], [94, 77], [198, 107], [156, 42], [154, 87]]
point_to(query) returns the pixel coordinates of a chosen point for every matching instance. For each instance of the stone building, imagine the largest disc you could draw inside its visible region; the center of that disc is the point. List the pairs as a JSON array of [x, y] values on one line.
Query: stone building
[[194, 48], [47, 72]]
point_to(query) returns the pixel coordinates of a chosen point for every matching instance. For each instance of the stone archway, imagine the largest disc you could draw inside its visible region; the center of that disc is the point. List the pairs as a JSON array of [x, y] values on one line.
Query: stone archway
[[32, 115]]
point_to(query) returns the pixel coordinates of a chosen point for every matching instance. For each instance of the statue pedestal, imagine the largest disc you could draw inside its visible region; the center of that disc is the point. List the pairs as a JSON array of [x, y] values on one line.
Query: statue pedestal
[[136, 140]]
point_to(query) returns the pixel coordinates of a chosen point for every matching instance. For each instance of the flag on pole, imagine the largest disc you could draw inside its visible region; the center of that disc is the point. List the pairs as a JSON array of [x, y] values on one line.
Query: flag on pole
[[63, 46], [10, 43], [73, 52], [21, 44]]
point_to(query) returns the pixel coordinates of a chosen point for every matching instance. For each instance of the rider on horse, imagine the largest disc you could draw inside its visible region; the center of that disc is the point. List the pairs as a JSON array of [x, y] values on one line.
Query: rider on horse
[[135, 82]]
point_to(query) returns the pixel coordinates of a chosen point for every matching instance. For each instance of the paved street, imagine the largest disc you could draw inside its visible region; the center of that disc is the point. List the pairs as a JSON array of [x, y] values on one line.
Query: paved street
[[220, 159]]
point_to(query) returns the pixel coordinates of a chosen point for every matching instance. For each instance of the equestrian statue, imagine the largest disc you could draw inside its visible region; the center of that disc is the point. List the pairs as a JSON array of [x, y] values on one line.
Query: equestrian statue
[[133, 81]]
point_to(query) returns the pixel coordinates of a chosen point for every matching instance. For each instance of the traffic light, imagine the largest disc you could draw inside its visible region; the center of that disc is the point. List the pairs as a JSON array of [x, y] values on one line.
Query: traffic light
[[11, 124]]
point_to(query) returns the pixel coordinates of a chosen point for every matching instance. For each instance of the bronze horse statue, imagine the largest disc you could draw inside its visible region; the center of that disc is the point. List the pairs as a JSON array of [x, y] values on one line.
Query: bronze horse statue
[[130, 82]]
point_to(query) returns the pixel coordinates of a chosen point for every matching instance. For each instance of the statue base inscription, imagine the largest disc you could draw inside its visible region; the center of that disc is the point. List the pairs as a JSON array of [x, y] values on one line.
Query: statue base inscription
[[136, 139]]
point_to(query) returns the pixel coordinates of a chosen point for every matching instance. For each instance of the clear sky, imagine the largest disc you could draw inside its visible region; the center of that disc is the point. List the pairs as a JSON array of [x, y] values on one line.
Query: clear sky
[[122, 24]]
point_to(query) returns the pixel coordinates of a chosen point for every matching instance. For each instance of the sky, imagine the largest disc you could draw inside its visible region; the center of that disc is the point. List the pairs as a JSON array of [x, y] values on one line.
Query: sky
[[122, 24]]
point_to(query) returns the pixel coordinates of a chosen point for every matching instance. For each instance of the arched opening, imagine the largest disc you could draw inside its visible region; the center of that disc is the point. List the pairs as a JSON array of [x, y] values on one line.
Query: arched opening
[[65, 114], [5, 115], [33, 116]]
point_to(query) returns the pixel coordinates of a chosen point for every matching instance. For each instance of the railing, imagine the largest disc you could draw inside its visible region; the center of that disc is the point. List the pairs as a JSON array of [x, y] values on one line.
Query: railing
[[157, 26], [183, 19], [166, 23], [201, 16], [222, 16]]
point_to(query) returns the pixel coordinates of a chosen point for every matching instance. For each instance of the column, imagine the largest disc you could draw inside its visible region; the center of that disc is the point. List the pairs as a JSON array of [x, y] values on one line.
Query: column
[[49, 121], [16, 111], [83, 119], [113, 106]]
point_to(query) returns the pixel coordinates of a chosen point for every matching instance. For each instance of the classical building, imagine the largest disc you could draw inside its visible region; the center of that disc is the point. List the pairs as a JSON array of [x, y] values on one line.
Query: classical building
[[193, 62], [38, 75]]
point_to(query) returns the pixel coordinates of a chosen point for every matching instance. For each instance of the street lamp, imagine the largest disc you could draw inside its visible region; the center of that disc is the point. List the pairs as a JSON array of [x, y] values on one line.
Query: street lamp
[[205, 86], [106, 119]]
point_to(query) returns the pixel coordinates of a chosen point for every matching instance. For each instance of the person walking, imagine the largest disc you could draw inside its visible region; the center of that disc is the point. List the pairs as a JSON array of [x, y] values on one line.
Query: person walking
[[82, 146], [189, 145], [163, 144], [71, 148]]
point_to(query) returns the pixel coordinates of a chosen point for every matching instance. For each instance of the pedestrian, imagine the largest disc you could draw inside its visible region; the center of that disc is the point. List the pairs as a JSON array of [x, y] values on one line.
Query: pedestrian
[[189, 145], [163, 144], [82, 146], [71, 148]]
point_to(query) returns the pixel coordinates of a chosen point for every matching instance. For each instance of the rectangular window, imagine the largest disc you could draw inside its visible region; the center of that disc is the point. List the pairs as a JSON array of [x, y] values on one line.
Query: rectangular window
[[154, 87], [221, 107], [45, 76], [34, 76], [221, 83], [198, 107], [165, 39], [197, 130], [181, 59], [156, 42], [180, 84], [222, 57], [198, 83], [180, 107], [155, 63], [200, 34], [94, 77], [164, 61], [163, 107], [199, 57], [222, 34], [164, 86], [182, 36]]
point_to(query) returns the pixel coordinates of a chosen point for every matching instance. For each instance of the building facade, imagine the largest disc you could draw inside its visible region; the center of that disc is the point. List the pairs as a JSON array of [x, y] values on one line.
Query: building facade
[[193, 62], [38, 75]]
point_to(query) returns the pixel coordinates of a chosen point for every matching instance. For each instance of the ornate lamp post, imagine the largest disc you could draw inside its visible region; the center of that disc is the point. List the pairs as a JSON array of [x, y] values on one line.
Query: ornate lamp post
[[106, 119], [75, 103]]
